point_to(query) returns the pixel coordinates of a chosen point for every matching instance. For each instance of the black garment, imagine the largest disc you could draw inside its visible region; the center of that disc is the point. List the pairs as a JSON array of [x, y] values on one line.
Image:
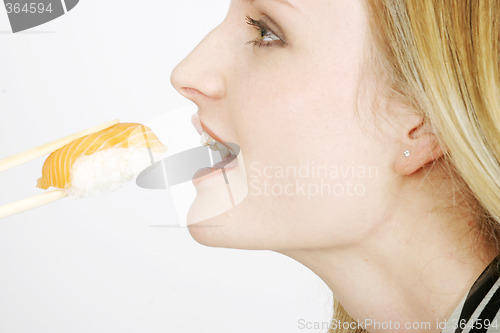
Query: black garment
[[478, 312]]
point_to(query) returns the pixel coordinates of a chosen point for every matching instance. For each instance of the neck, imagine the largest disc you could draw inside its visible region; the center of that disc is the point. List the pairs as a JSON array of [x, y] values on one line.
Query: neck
[[414, 267]]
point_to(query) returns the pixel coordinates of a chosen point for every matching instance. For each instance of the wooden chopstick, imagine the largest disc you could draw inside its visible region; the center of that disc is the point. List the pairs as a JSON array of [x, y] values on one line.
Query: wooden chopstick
[[31, 154], [31, 202]]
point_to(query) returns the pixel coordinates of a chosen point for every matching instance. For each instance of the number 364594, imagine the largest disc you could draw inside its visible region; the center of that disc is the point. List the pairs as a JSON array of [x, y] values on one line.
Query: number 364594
[[28, 8]]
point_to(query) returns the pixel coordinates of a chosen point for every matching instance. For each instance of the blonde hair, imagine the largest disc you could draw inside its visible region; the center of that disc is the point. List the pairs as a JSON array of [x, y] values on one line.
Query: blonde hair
[[442, 57]]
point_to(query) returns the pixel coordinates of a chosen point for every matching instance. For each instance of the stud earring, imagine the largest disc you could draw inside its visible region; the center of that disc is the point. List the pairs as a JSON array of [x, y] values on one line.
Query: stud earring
[[406, 153]]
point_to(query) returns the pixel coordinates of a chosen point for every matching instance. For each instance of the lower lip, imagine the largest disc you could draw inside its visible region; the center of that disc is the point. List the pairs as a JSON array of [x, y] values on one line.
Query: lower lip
[[206, 173]]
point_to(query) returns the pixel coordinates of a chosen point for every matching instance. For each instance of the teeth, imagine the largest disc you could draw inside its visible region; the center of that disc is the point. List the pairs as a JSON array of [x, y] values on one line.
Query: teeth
[[207, 140]]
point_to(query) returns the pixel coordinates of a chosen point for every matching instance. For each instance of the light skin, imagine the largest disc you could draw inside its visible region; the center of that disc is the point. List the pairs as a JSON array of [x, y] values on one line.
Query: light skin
[[382, 241]]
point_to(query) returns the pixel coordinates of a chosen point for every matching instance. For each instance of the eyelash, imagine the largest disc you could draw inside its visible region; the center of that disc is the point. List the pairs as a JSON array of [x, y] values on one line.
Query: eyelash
[[264, 31]]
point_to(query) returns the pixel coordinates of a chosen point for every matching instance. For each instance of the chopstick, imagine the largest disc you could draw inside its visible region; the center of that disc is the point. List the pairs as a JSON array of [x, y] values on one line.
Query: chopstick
[[34, 153], [31, 202]]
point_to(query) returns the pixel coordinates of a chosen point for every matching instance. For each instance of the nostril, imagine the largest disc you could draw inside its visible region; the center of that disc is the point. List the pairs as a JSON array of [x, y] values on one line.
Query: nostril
[[190, 92]]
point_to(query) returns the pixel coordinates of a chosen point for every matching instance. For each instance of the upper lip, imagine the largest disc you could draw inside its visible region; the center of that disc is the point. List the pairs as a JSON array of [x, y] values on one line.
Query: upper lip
[[197, 122]]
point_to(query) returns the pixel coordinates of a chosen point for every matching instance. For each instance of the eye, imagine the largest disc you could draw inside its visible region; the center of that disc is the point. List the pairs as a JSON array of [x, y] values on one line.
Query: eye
[[266, 37]]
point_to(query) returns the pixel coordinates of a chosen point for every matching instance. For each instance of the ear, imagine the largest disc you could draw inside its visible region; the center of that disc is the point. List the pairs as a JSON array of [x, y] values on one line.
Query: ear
[[419, 139]]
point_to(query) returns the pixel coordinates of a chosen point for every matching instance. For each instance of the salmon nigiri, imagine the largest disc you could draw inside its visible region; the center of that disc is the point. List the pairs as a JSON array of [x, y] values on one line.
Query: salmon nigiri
[[102, 161]]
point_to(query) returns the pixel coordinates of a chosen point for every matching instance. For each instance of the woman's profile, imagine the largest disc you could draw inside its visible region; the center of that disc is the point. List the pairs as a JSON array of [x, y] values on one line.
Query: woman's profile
[[371, 138]]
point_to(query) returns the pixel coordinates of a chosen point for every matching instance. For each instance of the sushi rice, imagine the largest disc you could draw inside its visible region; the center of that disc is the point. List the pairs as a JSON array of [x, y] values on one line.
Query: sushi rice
[[106, 170]]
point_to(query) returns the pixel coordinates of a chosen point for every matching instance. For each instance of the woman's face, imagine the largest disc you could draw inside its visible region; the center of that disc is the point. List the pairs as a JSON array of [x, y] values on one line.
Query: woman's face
[[280, 79]]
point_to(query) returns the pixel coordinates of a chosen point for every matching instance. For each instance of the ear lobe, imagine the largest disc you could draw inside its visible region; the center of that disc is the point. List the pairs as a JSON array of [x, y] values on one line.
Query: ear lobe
[[424, 149]]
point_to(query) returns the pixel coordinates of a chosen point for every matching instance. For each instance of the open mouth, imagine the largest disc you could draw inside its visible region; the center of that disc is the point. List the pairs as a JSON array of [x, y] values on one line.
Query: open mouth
[[228, 151], [228, 154]]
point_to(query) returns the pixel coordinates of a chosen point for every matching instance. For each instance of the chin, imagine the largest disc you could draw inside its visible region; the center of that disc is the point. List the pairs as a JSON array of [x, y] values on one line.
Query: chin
[[237, 228], [220, 201], [209, 233]]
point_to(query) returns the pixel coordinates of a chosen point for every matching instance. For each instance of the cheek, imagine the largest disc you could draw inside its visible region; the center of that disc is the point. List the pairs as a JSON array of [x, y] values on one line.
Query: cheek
[[297, 100], [310, 165], [292, 112]]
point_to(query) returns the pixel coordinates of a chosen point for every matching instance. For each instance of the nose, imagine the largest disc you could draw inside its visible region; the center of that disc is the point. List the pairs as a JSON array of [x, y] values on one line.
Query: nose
[[200, 76]]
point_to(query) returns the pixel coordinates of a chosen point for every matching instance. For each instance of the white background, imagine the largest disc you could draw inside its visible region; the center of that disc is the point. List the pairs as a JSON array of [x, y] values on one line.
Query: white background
[[100, 264]]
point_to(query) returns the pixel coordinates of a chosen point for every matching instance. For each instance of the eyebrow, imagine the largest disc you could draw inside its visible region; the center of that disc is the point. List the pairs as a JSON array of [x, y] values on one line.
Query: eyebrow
[[284, 2]]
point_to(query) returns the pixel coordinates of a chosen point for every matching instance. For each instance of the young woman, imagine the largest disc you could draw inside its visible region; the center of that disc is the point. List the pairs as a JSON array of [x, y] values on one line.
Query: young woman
[[370, 132]]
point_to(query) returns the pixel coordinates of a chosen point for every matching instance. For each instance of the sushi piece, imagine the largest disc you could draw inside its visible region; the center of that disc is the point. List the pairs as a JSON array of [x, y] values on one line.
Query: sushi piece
[[101, 162]]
